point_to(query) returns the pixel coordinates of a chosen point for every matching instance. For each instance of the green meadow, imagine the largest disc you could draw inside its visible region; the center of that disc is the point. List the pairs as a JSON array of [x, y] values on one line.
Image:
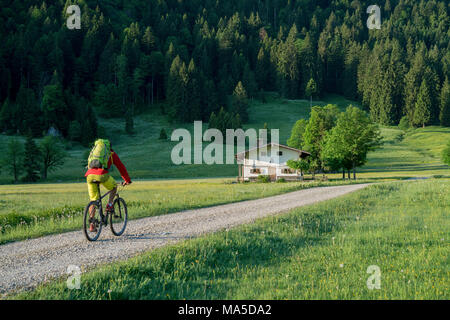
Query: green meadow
[[147, 157], [316, 252], [320, 251], [31, 210], [404, 154]]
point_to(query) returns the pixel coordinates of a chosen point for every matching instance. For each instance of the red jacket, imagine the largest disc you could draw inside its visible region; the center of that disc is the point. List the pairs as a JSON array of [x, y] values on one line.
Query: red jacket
[[114, 159]]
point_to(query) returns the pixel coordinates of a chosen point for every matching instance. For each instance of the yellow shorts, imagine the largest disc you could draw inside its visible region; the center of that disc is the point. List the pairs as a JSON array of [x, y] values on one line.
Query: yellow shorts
[[105, 180]]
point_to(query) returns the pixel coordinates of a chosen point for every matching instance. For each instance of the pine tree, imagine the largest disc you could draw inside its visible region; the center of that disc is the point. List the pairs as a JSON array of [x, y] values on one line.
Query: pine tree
[[289, 65], [162, 134], [311, 89], [422, 113], [236, 122], [412, 82], [249, 81], [212, 123], [7, 117], [239, 102], [148, 41], [444, 115], [193, 94], [262, 70], [55, 109], [177, 90]]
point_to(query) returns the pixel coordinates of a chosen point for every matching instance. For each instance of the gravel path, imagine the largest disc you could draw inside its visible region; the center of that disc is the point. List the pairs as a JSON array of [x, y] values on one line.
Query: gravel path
[[27, 263]]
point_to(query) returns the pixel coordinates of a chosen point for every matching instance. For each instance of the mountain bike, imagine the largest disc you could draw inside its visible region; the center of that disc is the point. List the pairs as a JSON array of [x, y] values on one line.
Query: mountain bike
[[93, 213]]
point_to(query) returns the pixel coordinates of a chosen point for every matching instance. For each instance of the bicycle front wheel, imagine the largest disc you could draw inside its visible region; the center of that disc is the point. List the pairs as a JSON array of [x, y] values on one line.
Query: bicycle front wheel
[[119, 219], [92, 221]]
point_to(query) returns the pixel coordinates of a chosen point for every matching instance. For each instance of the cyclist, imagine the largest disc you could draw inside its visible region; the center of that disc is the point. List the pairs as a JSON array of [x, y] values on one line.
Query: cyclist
[[98, 173]]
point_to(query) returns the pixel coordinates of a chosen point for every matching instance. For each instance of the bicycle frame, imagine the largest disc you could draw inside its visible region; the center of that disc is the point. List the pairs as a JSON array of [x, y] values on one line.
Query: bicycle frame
[[105, 217]]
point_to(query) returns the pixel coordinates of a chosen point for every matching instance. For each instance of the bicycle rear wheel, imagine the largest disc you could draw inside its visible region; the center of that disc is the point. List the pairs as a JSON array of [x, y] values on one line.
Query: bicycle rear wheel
[[92, 216], [119, 219]]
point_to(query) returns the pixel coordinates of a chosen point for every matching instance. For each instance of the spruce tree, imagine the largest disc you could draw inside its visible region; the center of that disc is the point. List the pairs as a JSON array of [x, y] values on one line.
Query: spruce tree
[[311, 89], [422, 113], [444, 115], [249, 81], [212, 123], [239, 102], [162, 134], [262, 70]]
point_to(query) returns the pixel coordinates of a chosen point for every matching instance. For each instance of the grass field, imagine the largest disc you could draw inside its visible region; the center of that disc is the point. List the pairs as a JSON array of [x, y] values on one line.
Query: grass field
[[407, 154], [415, 153], [29, 211], [39, 209], [320, 251], [147, 157], [317, 252]]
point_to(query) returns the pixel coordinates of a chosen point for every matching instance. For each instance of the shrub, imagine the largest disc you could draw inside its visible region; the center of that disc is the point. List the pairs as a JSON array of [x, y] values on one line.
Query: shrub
[[263, 178], [281, 180]]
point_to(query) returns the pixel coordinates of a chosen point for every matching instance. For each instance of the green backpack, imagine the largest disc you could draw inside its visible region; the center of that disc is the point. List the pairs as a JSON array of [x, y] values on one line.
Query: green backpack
[[100, 153]]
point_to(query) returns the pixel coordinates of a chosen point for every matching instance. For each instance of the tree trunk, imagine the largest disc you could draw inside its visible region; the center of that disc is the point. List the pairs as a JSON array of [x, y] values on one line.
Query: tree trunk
[[354, 172], [343, 173], [348, 173]]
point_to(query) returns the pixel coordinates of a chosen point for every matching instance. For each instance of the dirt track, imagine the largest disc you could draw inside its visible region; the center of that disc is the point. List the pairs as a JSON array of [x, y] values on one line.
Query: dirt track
[[27, 263]]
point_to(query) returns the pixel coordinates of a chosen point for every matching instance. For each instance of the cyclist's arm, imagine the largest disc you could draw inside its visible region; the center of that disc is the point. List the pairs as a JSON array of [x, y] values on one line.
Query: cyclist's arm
[[120, 166]]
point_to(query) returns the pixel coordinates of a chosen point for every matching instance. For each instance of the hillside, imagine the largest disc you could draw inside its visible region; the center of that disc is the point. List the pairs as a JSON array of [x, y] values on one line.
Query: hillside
[[199, 56], [147, 157]]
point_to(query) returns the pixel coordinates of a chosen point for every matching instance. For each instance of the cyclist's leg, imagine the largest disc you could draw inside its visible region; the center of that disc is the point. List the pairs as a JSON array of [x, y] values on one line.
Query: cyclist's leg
[[110, 184], [93, 189]]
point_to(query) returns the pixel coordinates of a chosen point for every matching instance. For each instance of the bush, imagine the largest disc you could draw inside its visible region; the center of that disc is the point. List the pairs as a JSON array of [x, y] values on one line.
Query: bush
[[263, 179], [404, 123], [281, 180]]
